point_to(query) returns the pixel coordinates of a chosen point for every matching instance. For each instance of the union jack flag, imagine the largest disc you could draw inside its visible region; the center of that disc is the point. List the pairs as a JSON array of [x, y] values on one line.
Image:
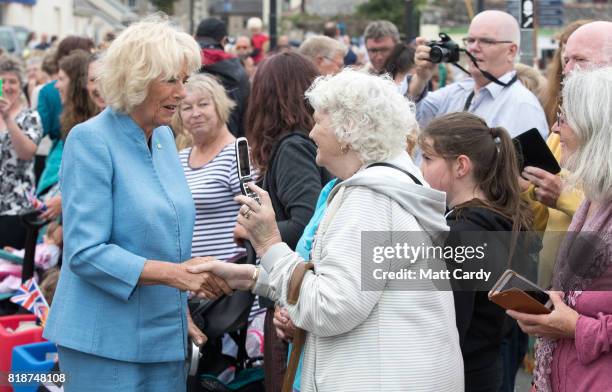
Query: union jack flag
[[30, 297]]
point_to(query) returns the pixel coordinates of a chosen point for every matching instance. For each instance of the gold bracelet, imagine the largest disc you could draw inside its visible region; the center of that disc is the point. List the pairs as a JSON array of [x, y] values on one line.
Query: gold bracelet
[[255, 277]]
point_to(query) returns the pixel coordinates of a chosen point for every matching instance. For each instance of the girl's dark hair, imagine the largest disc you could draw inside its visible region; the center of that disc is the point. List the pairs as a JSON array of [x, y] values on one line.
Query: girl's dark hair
[[401, 60], [277, 105], [494, 161], [70, 43], [78, 107]]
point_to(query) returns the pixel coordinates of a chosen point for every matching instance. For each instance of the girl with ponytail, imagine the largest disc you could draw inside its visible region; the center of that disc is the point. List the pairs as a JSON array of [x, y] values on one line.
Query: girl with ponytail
[[478, 169]]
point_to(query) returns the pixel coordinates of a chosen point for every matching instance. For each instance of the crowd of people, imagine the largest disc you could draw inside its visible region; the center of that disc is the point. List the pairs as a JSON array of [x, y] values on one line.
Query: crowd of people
[[148, 223]]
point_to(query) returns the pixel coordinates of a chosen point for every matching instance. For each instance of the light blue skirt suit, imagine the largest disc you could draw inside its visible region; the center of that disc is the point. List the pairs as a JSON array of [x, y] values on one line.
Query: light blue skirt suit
[[123, 204]]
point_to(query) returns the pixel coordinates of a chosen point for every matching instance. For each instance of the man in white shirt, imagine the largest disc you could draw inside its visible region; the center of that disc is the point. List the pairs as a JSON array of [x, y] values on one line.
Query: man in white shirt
[[380, 37], [492, 92]]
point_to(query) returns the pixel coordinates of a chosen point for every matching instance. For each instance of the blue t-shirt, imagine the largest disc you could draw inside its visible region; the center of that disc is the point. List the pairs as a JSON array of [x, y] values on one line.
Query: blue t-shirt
[[303, 248]]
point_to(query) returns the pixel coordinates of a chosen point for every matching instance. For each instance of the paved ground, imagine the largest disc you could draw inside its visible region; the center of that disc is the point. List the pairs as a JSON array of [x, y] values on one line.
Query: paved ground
[[523, 381]]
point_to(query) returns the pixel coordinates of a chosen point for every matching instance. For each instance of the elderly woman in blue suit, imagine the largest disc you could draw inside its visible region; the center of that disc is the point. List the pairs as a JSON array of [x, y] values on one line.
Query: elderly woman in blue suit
[[119, 315]]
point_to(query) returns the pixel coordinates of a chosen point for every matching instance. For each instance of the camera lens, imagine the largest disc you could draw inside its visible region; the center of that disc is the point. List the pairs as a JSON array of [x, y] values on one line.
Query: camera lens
[[438, 54]]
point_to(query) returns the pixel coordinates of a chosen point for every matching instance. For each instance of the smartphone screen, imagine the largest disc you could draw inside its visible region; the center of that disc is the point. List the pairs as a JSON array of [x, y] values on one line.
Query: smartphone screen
[[243, 159], [531, 289]]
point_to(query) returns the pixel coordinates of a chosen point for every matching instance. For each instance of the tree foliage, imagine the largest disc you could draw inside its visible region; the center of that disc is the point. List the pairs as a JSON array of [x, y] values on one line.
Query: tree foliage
[[391, 10], [166, 6]]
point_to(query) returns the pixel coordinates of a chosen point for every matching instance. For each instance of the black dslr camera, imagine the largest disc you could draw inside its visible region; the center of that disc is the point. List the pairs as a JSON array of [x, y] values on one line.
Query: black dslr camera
[[443, 51]]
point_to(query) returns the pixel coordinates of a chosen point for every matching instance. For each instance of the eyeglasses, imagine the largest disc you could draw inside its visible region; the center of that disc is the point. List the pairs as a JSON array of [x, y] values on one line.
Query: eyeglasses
[[561, 119], [339, 64], [375, 51], [483, 41]]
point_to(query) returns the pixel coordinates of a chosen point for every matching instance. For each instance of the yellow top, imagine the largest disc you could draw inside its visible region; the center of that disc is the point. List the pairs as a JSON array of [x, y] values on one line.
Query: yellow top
[[554, 221]]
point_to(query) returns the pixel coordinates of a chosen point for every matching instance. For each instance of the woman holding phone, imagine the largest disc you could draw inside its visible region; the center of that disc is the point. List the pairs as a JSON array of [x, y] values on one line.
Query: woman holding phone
[[573, 350], [277, 123], [362, 334]]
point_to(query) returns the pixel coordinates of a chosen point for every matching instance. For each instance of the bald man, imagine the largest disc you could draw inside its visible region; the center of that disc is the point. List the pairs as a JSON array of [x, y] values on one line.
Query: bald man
[[326, 53], [589, 46], [243, 47], [493, 91]]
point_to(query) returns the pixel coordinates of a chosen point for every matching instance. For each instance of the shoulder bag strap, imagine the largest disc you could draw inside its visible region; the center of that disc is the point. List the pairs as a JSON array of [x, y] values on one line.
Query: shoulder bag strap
[[412, 176]]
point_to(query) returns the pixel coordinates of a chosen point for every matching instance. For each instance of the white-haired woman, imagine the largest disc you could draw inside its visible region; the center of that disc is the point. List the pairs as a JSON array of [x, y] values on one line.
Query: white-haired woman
[[366, 332], [573, 352], [119, 316]]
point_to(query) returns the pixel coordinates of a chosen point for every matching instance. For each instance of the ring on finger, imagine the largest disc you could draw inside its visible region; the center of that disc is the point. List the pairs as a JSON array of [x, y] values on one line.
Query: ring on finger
[[248, 213]]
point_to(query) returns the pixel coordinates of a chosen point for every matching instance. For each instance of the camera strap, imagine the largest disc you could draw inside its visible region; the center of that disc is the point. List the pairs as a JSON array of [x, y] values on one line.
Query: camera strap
[[485, 73]]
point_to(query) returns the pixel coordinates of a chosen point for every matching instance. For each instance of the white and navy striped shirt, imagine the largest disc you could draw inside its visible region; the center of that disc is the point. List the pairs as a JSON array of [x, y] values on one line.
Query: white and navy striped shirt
[[213, 188]]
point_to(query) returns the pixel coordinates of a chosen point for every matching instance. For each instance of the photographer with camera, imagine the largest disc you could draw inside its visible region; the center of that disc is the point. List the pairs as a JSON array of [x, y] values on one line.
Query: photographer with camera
[[493, 91]]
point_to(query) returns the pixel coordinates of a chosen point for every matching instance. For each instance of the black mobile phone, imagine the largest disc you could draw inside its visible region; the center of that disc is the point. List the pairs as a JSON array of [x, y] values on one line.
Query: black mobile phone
[[244, 167], [532, 150]]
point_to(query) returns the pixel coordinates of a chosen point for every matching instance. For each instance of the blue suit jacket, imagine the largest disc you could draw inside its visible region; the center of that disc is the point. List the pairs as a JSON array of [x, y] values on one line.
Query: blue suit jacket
[[122, 204]]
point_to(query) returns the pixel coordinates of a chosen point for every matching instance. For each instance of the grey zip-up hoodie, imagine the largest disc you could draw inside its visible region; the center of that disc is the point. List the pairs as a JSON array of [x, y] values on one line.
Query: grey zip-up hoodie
[[427, 205]]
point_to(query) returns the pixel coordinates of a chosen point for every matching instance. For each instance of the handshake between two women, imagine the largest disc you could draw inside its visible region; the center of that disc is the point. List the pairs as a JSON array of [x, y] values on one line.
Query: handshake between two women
[[210, 278]]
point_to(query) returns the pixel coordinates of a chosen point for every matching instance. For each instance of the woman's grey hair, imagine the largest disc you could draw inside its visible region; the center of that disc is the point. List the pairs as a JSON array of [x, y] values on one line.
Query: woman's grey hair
[[146, 51], [12, 64], [202, 84], [366, 112], [587, 101], [380, 29], [322, 46]]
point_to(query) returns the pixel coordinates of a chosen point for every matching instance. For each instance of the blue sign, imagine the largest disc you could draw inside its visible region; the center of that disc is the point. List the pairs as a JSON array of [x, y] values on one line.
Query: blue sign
[[552, 22], [550, 12], [27, 2], [549, 3]]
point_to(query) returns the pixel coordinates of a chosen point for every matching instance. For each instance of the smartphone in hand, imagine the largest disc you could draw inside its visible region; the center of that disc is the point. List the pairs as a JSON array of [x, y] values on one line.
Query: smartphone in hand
[[244, 167], [515, 292]]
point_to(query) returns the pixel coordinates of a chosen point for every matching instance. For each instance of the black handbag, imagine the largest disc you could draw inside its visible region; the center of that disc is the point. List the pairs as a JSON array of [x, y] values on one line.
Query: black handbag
[[226, 313]]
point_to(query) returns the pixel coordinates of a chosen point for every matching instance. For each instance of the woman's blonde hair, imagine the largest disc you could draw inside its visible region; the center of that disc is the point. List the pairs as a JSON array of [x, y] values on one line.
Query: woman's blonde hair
[[202, 84], [149, 50]]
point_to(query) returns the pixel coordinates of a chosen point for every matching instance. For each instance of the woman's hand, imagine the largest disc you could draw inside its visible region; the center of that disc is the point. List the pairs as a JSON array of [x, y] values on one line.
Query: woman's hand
[[560, 323], [240, 235], [54, 208], [194, 332], [547, 185], [237, 276], [284, 326], [204, 284], [5, 109], [258, 220]]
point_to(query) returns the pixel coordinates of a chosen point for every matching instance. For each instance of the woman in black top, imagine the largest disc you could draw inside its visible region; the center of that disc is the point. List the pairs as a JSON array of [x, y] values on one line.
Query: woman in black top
[[278, 121], [477, 168]]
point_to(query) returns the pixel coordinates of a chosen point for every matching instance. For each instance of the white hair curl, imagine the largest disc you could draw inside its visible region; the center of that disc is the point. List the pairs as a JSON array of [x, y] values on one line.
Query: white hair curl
[[366, 112]]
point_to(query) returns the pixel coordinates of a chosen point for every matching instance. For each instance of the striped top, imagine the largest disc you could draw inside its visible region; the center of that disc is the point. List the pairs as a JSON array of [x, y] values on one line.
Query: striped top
[[213, 187]]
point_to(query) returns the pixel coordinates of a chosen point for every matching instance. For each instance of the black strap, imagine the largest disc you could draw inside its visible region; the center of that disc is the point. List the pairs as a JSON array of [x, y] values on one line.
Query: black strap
[[468, 101], [416, 180], [485, 73]]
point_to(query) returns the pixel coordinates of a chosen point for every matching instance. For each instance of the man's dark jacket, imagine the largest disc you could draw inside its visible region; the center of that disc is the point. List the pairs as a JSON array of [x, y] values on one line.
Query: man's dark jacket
[[231, 74]]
